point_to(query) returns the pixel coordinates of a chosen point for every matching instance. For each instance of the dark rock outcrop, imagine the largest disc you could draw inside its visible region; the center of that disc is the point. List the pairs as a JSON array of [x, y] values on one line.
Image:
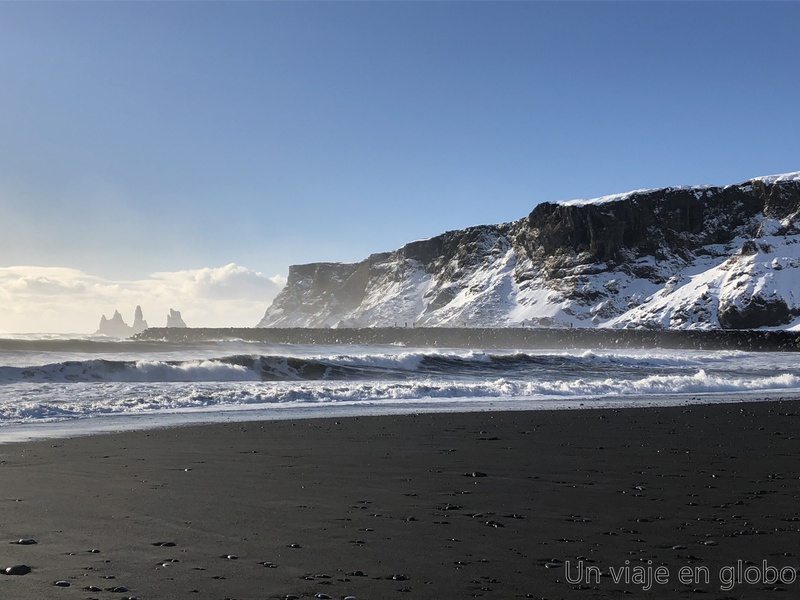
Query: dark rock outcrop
[[756, 313]]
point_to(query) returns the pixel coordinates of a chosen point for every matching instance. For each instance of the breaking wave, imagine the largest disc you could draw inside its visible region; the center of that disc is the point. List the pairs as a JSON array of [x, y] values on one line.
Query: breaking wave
[[136, 382], [335, 368], [53, 401]]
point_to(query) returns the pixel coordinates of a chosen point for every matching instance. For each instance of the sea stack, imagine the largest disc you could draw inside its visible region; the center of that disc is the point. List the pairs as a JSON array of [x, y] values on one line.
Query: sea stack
[[139, 324], [117, 327], [174, 319]]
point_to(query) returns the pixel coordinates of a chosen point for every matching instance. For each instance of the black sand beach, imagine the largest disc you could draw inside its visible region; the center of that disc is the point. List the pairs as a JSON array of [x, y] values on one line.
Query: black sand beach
[[450, 506]]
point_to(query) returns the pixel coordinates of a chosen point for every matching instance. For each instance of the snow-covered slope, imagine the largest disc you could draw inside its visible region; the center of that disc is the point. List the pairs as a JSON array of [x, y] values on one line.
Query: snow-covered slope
[[683, 257]]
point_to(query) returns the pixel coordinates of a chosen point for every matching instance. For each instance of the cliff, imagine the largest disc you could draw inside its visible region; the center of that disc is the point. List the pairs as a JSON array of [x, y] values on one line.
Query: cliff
[[680, 257]]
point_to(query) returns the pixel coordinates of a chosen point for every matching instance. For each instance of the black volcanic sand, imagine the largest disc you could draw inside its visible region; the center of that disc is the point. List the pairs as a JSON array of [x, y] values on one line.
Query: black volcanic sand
[[490, 505]]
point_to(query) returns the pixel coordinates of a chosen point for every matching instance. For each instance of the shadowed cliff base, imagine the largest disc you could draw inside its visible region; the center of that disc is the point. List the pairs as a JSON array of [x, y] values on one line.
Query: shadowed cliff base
[[440, 337]]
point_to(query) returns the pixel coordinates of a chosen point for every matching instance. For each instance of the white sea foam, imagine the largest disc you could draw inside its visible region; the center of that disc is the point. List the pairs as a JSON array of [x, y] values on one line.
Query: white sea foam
[[24, 403], [148, 382]]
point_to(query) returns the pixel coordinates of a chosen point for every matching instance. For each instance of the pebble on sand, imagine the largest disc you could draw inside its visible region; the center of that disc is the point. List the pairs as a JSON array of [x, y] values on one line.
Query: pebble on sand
[[25, 542], [169, 562], [17, 570], [357, 573], [494, 524]]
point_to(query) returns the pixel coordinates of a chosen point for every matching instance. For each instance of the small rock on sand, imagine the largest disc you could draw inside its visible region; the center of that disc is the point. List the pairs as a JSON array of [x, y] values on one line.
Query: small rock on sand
[[17, 570]]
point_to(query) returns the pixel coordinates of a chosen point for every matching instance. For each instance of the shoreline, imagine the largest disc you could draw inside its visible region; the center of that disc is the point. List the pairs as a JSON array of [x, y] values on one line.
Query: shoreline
[[111, 423], [447, 505]]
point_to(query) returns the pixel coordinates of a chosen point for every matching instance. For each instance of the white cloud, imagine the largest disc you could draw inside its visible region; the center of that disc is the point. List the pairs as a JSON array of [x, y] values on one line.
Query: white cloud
[[52, 299]]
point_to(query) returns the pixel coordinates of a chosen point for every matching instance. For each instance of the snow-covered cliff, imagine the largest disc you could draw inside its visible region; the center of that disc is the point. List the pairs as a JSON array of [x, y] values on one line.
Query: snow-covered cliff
[[685, 257]]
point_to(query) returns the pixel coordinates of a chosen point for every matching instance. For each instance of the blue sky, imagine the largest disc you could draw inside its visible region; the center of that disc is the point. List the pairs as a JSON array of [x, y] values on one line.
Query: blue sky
[[223, 141]]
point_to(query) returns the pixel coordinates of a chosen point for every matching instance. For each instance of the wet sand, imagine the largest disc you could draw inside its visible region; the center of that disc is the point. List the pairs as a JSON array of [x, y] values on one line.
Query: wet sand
[[450, 506]]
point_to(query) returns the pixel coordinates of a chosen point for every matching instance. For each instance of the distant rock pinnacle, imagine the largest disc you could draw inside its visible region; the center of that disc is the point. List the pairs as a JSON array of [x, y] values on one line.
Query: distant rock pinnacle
[[117, 327], [174, 319]]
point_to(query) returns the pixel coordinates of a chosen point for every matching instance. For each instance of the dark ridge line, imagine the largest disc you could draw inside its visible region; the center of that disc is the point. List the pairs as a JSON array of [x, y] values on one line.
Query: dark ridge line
[[443, 337]]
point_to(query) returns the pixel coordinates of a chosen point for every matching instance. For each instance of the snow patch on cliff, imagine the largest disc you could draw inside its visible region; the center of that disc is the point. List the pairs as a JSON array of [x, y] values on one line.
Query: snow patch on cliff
[[782, 178], [766, 269]]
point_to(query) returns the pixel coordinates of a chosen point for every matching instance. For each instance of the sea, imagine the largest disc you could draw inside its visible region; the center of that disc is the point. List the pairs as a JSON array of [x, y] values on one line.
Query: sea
[[59, 385]]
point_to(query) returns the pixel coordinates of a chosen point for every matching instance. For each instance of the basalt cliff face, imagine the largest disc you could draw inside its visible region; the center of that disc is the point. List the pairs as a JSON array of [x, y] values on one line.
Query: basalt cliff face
[[686, 257]]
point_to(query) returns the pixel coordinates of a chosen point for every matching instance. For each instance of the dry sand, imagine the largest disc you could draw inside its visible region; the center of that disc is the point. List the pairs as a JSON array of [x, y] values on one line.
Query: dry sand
[[450, 506]]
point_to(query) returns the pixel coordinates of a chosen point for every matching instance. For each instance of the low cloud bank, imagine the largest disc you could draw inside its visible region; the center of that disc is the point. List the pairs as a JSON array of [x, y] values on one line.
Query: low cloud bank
[[64, 300]]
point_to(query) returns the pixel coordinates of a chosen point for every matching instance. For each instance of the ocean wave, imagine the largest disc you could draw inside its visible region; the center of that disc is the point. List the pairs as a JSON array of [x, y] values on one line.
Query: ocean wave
[[345, 367], [21, 403]]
